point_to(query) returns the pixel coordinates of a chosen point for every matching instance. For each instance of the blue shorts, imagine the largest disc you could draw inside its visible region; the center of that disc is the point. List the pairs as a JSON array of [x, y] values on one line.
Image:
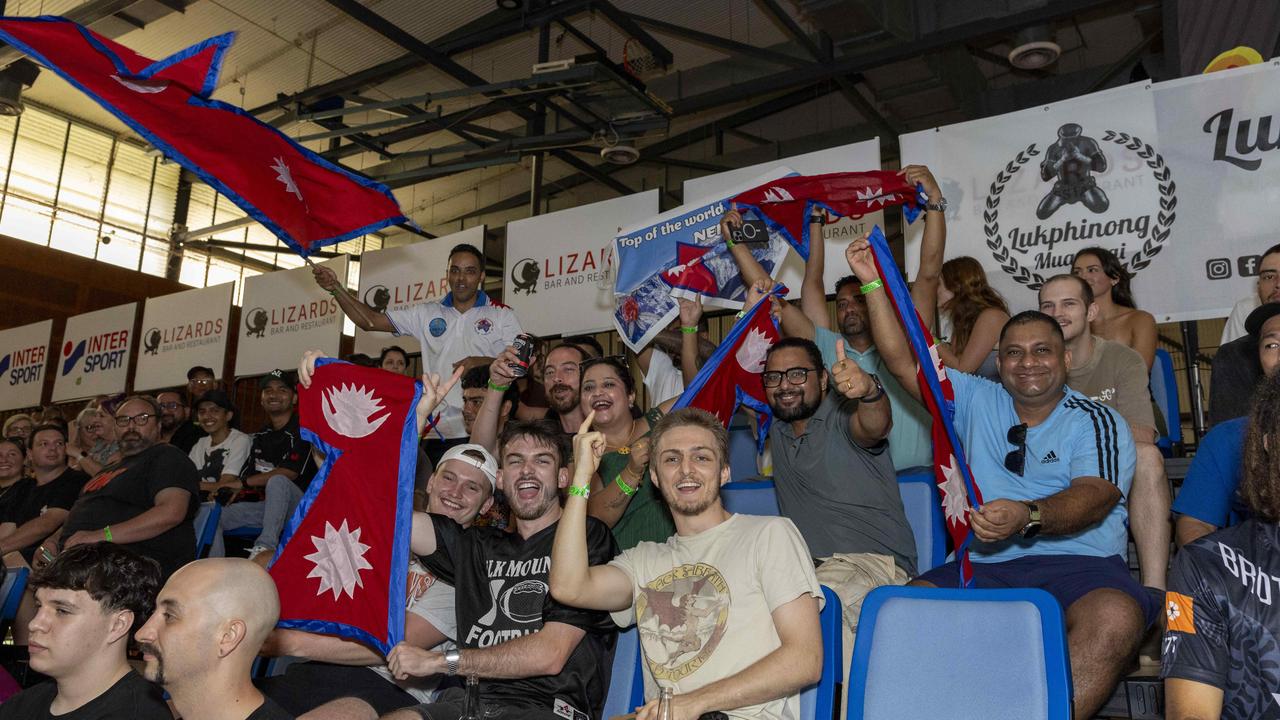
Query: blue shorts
[[1066, 577]]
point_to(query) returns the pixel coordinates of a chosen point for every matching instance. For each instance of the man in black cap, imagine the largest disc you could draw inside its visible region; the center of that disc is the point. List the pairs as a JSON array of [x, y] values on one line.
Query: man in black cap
[[278, 471], [1210, 498], [221, 455]]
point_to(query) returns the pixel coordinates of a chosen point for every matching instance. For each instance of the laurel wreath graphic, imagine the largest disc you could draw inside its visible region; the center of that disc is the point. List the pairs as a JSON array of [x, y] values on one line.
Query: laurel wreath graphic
[[1158, 236]]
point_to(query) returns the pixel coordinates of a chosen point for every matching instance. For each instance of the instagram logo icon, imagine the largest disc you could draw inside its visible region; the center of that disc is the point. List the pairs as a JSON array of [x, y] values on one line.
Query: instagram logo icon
[[1218, 268]]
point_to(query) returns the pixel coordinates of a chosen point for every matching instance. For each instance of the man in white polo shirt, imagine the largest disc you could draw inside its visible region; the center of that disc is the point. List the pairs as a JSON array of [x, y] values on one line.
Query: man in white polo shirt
[[466, 327]]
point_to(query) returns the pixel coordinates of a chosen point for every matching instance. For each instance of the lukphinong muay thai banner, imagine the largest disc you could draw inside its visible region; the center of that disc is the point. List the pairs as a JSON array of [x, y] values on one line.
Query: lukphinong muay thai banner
[[1177, 178]]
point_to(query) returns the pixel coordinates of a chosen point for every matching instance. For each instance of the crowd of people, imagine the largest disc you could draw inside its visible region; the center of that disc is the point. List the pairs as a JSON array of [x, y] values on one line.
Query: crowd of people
[[552, 510]]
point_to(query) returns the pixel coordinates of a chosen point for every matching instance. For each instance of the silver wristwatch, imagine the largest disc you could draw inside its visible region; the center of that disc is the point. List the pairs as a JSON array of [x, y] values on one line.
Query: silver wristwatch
[[451, 659], [940, 206]]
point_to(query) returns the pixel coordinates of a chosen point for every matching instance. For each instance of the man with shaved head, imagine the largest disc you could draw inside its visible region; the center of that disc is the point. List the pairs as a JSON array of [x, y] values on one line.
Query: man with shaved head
[[210, 620]]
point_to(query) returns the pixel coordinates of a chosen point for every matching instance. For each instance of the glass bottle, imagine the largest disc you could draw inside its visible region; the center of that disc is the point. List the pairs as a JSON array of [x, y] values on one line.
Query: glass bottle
[[664, 704], [471, 710]]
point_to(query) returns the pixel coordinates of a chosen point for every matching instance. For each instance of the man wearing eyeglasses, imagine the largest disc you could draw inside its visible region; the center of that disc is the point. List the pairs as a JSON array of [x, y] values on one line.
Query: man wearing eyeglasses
[[1235, 368], [1054, 468], [146, 502], [175, 426], [833, 473]]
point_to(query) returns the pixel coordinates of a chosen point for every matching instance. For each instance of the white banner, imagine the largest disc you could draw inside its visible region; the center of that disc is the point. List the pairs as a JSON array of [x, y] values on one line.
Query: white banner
[[95, 353], [395, 278], [180, 331], [26, 355], [559, 266], [857, 157], [284, 314], [1172, 177]]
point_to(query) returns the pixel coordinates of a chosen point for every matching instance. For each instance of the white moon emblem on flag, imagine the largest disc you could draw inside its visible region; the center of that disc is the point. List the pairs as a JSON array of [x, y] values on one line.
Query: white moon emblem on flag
[[752, 352], [349, 410], [338, 560]]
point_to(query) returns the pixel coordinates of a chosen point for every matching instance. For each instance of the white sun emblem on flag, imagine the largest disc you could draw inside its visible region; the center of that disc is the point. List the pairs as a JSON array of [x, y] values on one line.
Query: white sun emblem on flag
[[875, 196], [752, 352], [348, 410], [284, 175], [937, 362], [338, 559], [954, 498]]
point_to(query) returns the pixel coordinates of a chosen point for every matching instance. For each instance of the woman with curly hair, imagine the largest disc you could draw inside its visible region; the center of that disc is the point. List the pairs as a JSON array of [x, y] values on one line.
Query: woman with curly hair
[[1119, 319], [970, 315]]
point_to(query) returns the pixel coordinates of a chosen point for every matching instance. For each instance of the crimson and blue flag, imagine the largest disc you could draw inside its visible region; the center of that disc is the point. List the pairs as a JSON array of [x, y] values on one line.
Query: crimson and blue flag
[[343, 558], [957, 489], [787, 203], [731, 376], [305, 200]]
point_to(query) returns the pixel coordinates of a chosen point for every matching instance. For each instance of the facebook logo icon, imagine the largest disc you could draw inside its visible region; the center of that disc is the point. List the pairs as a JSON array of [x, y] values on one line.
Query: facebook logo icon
[[1248, 265]]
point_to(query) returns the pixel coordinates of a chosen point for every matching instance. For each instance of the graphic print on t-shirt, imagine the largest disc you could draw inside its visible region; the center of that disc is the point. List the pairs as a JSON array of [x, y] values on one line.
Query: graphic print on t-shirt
[[517, 592], [213, 462], [102, 479], [683, 612]]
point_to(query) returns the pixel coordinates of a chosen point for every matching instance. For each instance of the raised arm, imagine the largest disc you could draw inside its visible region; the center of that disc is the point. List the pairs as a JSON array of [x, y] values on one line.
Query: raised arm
[[574, 581], [795, 664], [924, 287], [364, 316], [793, 321], [813, 294], [871, 419], [484, 431], [886, 331], [690, 316]]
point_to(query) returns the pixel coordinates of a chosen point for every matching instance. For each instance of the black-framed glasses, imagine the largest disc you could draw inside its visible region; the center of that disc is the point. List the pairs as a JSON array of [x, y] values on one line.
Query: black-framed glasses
[[138, 420], [1016, 461], [795, 376]]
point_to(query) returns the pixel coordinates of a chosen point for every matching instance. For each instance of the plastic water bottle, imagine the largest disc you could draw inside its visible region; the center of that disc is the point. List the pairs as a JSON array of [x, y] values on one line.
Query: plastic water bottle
[[664, 704], [471, 710]]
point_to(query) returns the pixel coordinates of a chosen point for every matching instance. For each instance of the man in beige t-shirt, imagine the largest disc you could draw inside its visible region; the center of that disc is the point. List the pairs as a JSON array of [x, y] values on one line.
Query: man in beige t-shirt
[[1116, 375], [727, 608]]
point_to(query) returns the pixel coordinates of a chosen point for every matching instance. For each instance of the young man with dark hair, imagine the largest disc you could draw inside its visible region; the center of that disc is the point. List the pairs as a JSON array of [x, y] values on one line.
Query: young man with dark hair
[[465, 328], [727, 608], [536, 658], [1116, 376], [1220, 653], [40, 503], [278, 470], [220, 455], [475, 387], [89, 601], [147, 501], [1054, 468], [210, 620]]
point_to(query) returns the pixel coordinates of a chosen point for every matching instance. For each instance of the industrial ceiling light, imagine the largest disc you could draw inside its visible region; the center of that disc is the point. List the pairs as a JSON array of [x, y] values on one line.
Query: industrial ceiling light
[[509, 4], [1034, 48], [619, 154], [21, 74]]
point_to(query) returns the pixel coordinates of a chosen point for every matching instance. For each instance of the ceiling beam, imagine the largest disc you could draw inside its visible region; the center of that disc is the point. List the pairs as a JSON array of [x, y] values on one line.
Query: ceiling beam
[[732, 47]]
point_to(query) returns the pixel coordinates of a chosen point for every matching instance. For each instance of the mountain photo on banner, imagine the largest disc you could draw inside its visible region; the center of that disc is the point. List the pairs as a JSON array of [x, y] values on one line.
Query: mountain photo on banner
[[344, 555], [303, 199], [680, 254]]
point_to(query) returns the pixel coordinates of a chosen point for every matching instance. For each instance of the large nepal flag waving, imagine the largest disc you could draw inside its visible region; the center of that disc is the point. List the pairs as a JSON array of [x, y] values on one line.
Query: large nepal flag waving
[[304, 199], [344, 555], [731, 376], [956, 486], [787, 203]]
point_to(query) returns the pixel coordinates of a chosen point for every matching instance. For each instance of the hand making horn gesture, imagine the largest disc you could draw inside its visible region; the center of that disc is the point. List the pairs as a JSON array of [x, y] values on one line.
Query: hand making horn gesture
[[850, 380]]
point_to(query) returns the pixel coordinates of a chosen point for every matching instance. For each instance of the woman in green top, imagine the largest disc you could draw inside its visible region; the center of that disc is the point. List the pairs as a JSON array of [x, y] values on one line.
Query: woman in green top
[[621, 495]]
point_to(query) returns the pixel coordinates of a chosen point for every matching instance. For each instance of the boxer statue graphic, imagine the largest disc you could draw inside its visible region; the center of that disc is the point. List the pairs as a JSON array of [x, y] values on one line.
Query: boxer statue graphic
[[1072, 160]]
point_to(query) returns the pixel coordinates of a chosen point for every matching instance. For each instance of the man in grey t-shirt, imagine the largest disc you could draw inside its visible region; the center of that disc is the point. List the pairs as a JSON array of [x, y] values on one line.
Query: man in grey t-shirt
[[833, 473]]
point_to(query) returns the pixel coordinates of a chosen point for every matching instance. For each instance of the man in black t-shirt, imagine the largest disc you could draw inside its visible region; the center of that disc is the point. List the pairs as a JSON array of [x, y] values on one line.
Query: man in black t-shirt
[[552, 659], [1221, 653], [211, 618], [90, 599], [146, 501], [278, 472], [41, 503], [176, 427]]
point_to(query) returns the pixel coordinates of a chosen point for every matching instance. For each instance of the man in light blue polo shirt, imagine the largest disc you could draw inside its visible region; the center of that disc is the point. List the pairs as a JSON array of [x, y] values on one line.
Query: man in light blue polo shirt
[[1054, 468]]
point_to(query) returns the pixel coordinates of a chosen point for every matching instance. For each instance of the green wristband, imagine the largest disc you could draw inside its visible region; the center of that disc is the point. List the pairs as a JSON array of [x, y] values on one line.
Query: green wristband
[[688, 330], [625, 488], [106, 532], [582, 491], [499, 388], [872, 286]]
